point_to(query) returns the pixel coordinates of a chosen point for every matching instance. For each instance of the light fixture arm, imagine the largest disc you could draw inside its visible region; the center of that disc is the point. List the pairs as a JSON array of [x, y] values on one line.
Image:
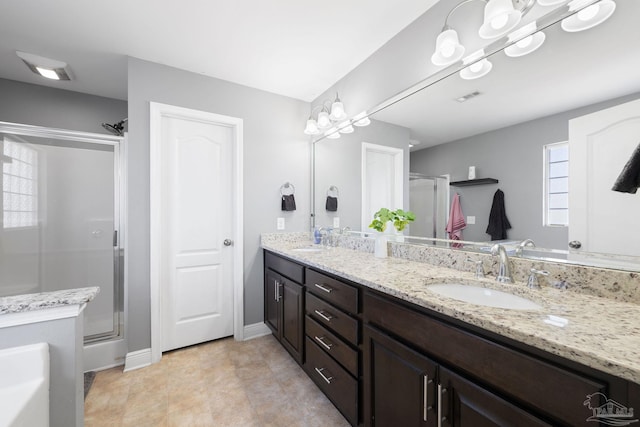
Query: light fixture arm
[[524, 6]]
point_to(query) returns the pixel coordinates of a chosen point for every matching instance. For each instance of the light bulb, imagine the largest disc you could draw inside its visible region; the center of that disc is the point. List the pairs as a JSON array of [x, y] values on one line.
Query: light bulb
[[50, 74], [589, 13], [499, 21], [525, 42], [323, 120], [447, 49], [475, 67]]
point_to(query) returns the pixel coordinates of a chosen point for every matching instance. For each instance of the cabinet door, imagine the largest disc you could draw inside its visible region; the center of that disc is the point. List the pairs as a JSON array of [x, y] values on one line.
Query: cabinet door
[[465, 404], [292, 318], [271, 301], [399, 383]]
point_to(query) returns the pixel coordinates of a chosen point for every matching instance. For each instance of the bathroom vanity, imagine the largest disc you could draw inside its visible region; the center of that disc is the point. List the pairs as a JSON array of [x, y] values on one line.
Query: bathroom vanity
[[387, 351]]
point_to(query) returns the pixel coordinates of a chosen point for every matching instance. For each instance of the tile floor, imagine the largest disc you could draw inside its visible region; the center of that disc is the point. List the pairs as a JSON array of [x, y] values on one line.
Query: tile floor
[[221, 383]]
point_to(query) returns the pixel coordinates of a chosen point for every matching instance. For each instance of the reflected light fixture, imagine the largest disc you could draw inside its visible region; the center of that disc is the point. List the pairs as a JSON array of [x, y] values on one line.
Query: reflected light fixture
[[500, 18], [361, 119], [528, 40], [45, 67], [589, 16], [478, 67]]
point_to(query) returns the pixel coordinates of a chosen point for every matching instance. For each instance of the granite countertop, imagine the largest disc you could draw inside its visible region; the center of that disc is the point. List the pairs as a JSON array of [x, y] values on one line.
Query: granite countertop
[[43, 300], [600, 333]]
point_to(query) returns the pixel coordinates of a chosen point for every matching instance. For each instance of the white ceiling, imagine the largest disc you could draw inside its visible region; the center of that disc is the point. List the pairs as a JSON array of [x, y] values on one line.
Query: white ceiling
[[297, 48]]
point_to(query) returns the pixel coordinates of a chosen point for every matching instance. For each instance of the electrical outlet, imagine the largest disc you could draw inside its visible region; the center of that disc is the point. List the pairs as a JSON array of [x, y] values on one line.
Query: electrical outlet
[[280, 224], [471, 220], [336, 222]]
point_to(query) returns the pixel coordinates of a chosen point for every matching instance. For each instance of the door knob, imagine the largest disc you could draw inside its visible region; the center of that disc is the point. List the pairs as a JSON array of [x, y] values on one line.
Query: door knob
[[575, 244], [227, 242]]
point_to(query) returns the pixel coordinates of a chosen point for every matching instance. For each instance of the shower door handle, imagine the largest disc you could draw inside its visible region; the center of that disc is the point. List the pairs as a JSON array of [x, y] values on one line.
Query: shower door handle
[[115, 238]]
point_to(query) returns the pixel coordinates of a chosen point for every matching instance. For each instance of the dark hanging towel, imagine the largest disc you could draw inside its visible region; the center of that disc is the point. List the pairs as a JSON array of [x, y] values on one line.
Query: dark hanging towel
[[498, 222], [332, 204], [629, 179], [288, 202]]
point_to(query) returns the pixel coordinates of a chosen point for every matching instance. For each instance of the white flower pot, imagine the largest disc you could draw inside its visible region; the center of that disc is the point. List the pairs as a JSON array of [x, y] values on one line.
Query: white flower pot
[[381, 247]]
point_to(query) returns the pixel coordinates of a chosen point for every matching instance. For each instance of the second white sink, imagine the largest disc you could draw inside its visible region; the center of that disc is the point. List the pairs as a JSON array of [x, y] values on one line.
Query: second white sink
[[483, 296]]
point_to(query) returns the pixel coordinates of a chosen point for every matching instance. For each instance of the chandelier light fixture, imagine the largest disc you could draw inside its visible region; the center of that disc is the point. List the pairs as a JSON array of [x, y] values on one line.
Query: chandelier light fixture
[[332, 121], [503, 16]]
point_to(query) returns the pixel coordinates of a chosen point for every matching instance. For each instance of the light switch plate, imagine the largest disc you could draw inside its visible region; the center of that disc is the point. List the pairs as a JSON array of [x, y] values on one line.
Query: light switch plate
[[471, 220], [336, 222], [280, 224]]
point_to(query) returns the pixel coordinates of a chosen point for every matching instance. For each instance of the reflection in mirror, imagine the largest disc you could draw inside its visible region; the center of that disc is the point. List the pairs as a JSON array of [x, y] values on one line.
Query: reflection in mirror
[[502, 128]]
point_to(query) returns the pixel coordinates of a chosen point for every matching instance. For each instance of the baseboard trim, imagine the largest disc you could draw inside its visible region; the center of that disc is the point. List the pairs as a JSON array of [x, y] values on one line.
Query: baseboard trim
[[137, 359], [256, 330]]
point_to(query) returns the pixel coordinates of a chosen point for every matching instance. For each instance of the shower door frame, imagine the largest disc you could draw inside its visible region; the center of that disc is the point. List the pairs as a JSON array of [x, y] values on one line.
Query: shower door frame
[[119, 279]]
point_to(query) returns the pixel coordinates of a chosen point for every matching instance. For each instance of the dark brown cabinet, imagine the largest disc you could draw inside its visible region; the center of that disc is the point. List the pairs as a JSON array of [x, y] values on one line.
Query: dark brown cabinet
[[284, 305], [461, 402], [332, 330], [384, 361], [399, 383]]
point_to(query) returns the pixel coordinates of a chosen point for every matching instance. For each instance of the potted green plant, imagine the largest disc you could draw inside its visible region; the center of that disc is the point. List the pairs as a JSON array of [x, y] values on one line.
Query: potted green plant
[[399, 218]]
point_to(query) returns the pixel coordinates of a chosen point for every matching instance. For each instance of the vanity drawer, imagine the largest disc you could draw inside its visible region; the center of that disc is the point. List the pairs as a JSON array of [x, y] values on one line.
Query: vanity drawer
[[340, 387], [336, 292], [533, 381], [332, 318], [332, 345], [285, 267]]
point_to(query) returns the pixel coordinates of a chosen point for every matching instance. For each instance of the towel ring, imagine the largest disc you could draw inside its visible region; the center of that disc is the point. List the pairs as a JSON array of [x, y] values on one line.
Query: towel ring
[[287, 189], [333, 191]]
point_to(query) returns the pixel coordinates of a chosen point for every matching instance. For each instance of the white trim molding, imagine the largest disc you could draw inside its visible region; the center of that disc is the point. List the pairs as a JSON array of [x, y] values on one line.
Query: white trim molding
[[137, 359], [159, 111], [255, 330]]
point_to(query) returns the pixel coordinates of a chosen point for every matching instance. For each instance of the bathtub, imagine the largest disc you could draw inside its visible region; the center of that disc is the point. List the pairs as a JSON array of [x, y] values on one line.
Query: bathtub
[[24, 386]]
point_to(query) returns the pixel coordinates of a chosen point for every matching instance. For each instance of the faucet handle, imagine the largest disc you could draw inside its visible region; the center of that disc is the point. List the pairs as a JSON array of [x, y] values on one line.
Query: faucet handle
[[479, 267], [532, 282]]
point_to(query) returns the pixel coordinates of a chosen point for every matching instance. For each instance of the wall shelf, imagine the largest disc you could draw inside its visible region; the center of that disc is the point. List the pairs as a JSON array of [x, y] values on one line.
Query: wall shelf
[[481, 181]]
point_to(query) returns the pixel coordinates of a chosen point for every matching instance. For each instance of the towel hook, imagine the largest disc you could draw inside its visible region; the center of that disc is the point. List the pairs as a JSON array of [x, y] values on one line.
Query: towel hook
[[287, 189], [333, 191]]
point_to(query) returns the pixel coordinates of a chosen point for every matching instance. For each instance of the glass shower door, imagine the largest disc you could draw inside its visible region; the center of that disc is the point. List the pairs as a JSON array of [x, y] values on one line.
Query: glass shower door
[[60, 220]]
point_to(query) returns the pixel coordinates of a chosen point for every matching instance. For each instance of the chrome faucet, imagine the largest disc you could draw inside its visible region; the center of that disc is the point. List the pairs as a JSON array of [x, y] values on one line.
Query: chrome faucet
[[504, 271], [523, 244], [533, 278], [479, 269]]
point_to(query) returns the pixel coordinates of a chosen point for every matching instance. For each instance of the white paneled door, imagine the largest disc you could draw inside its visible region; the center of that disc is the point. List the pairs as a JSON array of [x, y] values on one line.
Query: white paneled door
[[197, 229], [600, 144]]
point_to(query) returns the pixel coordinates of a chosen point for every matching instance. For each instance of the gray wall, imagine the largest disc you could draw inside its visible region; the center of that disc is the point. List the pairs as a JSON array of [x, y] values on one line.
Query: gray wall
[[401, 62], [56, 108], [275, 151], [339, 162], [514, 156]]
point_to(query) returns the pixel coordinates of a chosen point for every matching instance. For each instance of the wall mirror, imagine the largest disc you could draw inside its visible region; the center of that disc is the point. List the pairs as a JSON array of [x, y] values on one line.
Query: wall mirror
[[510, 115]]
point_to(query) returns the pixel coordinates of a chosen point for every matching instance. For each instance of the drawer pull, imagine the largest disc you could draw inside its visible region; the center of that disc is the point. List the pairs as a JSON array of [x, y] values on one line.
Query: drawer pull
[[323, 314], [324, 344], [324, 288], [324, 377]]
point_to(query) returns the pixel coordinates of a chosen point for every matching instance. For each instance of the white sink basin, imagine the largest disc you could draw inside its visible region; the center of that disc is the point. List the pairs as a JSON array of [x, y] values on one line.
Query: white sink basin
[[483, 296], [308, 249]]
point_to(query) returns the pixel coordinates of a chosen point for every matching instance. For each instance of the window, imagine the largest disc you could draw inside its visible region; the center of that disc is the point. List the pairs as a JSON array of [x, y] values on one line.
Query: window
[[556, 184], [19, 184]]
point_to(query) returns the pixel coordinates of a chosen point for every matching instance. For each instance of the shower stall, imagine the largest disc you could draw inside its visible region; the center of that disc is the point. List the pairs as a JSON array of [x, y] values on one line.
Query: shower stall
[[61, 219], [429, 201]]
